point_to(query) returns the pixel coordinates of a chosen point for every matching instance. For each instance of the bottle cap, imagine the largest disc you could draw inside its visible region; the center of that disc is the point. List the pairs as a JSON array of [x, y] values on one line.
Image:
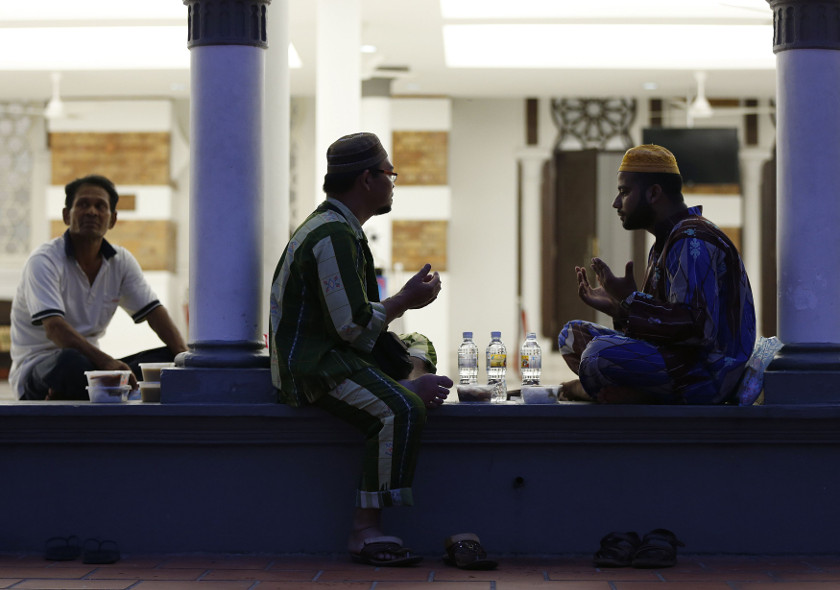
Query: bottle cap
[[495, 334], [532, 334], [467, 334]]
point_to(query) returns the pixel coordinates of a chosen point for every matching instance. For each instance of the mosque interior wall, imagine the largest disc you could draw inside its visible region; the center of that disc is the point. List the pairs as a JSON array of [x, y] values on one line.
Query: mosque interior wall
[[467, 198]]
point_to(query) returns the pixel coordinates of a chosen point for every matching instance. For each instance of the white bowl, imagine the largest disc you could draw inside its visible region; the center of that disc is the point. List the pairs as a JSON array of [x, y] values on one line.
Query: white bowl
[[151, 371], [540, 394], [108, 395]]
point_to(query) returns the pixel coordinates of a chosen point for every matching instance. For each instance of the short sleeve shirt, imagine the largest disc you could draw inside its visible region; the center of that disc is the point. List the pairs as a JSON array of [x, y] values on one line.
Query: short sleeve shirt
[[53, 284]]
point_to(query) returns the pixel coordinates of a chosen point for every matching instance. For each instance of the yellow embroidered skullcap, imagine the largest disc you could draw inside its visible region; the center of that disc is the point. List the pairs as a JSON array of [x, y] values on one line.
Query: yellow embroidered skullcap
[[649, 158]]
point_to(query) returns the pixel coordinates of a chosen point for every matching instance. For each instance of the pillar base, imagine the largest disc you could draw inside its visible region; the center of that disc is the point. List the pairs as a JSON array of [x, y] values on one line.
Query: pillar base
[[804, 374], [217, 385], [224, 354]]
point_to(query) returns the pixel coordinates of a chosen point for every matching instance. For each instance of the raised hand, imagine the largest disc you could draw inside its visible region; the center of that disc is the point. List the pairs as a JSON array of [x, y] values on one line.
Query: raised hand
[[421, 289], [616, 287], [595, 297]]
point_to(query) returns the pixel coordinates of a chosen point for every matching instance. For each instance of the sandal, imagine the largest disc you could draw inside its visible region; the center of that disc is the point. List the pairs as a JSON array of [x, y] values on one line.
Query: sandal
[[465, 551], [375, 546], [100, 552], [617, 549], [658, 549], [62, 548]]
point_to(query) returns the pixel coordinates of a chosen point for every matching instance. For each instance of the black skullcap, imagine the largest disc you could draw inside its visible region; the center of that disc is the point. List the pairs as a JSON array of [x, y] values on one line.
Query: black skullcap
[[354, 153]]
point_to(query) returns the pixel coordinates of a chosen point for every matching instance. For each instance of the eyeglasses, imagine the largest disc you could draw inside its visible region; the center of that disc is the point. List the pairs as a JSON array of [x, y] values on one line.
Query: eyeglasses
[[392, 175]]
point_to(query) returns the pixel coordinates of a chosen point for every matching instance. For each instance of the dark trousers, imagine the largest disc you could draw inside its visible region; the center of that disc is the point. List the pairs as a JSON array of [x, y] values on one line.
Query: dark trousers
[[64, 373]]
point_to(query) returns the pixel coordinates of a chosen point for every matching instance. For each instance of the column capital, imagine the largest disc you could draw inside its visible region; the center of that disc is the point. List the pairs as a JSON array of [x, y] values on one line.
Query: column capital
[[805, 24], [225, 22]]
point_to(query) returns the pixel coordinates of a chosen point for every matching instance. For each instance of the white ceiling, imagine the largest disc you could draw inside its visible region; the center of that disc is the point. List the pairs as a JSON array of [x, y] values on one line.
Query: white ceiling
[[584, 52]]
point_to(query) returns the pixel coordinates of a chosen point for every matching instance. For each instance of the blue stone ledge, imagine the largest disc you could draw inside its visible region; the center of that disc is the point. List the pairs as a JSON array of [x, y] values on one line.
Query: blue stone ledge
[[266, 478]]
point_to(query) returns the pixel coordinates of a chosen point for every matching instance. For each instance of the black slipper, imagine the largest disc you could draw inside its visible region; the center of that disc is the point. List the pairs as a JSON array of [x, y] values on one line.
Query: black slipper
[[465, 551], [100, 552], [617, 549], [62, 548], [658, 549]]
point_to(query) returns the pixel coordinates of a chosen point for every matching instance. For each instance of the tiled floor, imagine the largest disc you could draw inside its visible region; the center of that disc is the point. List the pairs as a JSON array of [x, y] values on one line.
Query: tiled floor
[[210, 572]]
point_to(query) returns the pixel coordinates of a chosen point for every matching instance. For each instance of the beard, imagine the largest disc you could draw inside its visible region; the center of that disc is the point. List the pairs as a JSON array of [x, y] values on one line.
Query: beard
[[642, 217], [383, 210]]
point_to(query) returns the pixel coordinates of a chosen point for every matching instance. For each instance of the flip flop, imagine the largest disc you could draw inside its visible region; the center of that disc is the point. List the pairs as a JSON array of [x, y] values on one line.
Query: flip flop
[[465, 551], [617, 550], [658, 549], [393, 546], [62, 548], [100, 552]]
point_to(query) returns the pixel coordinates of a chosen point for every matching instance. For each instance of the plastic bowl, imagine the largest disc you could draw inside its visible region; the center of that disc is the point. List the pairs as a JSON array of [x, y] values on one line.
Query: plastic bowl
[[108, 395], [151, 371], [150, 391], [475, 393], [107, 378], [540, 394]]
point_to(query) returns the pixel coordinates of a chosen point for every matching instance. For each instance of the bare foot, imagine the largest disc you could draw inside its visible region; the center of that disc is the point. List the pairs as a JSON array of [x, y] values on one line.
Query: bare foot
[[573, 391], [432, 389]]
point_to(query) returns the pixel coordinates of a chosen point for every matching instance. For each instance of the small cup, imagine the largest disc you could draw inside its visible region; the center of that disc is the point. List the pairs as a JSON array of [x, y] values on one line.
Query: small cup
[[150, 391], [151, 371]]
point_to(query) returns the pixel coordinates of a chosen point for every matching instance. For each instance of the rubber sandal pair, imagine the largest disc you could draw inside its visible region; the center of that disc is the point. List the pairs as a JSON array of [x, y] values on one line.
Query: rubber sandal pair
[[657, 549], [465, 551], [93, 551], [375, 547], [62, 548], [100, 552]]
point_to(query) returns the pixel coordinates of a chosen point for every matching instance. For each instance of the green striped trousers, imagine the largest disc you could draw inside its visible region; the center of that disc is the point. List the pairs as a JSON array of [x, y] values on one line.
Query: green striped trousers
[[391, 418]]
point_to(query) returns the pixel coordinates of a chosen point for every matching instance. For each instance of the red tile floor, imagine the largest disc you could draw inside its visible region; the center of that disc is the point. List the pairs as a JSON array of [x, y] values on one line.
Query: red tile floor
[[264, 572]]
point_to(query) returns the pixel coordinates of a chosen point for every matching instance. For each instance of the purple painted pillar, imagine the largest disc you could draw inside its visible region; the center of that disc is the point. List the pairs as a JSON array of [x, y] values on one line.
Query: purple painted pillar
[[806, 41], [227, 41]]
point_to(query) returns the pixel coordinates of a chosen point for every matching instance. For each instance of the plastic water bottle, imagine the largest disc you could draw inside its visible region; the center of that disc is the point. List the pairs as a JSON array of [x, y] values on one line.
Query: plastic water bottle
[[530, 356], [497, 366], [467, 360]]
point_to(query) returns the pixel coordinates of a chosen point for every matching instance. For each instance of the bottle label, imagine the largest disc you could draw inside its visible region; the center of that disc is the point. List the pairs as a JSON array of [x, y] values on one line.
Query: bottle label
[[498, 360], [525, 364]]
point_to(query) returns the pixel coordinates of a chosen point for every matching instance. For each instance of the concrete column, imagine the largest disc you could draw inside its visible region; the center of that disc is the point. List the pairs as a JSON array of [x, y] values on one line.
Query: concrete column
[[376, 118], [531, 161], [227, 44], [338, 84], [752, 161], [276, 143], [806, 41]]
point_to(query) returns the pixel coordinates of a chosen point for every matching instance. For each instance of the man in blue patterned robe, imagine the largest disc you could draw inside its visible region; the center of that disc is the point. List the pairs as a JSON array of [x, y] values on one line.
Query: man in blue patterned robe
[[686, 336]]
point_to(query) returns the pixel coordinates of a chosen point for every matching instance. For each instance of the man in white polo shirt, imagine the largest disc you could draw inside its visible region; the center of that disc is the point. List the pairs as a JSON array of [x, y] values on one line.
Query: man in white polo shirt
[[70, 288]]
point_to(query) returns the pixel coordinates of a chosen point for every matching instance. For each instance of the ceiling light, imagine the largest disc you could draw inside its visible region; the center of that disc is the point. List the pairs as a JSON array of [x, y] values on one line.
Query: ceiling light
[[758, 10], [609, 46], [94, 48], [91, 10], [650, 86], [368, 48]]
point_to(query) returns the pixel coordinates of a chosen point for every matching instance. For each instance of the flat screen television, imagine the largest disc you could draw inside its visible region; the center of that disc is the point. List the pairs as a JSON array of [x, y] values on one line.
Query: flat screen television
[[706, 155]]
